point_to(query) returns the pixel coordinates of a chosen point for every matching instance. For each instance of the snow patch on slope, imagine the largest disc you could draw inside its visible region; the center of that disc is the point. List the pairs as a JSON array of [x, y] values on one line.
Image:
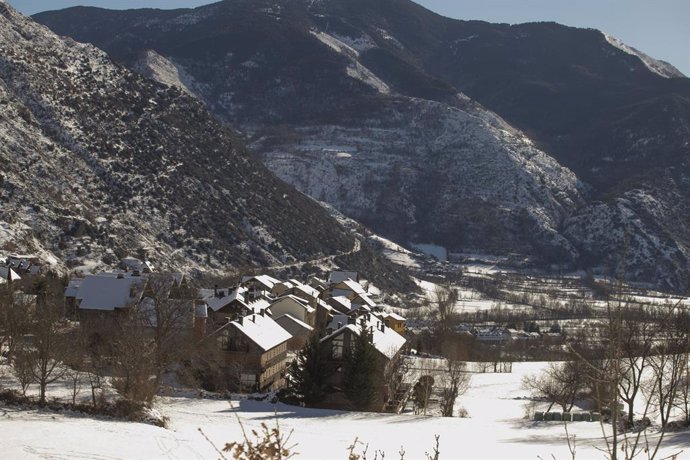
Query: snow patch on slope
[[659, 67], [361, 44], [163, 70], [359, 72], [355, 70]]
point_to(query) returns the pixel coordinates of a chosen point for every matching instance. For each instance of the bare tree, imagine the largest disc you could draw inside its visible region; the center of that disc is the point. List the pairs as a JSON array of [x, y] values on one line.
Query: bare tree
[[153, 335], [133, 359], [636, 347], [668, 364], [560, 384], [15, 312], [44, 352], [442, 309], [22, 370], [454, 383], [422, 393]]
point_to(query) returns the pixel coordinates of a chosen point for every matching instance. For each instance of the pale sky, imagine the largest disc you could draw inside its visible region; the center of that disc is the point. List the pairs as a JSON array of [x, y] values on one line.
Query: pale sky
[[660, 28]]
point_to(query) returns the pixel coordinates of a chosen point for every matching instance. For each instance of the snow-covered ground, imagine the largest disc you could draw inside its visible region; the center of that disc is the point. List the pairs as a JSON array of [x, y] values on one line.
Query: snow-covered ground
[[496, 429]]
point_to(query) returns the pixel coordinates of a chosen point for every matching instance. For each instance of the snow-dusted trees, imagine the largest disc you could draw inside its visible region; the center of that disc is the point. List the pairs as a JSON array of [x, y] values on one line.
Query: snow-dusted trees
[[360, 372], [309, 372]]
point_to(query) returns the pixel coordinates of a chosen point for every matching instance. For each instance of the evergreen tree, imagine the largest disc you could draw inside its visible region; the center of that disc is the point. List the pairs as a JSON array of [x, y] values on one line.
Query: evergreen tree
[[308, 373], [360, 380]]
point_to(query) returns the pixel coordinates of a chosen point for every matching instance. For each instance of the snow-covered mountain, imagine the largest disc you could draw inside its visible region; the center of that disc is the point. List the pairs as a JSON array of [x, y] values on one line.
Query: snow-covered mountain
[[558, 143], [97, 162]]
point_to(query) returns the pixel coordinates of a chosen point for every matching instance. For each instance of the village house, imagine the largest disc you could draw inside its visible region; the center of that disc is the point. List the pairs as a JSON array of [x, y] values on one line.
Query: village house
[[24, 264], [132, 264], [492, 335], [348, 288], [294, 306], [98, 300], [336, 277], [305, 291], [260, 286], [342, 334], [225, 303], [102, 296], [363, 300], [259, 345], [299, 331], [282, 288], [394, 321], [341, 303]]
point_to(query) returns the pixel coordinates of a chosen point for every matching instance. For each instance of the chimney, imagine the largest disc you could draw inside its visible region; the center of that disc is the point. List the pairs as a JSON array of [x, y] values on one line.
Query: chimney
[[240, 320], [340, 325], [120, 276], [253, 318], [262, 312], [200, 317], [215, 290]]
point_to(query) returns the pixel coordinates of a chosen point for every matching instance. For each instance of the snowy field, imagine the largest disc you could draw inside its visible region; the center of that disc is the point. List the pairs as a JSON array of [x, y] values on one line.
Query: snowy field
[[496, 429]]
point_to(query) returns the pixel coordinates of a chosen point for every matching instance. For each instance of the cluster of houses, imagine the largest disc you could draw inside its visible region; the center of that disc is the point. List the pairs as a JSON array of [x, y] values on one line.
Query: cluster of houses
[[256, 323], [14, 266], [498, 335]]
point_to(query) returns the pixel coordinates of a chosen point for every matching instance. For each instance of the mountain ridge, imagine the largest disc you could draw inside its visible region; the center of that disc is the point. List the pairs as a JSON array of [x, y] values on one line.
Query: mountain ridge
[[98, 162], [310, 83]]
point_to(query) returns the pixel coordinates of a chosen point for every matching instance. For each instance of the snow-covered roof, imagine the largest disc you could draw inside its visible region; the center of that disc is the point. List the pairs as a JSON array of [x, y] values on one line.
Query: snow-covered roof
[[258, 305], [340, 276], [284, 320], [6, 273], [286, 284], [108, 292], [364, 299], [353, 286], [297, 300], [337, 322], [307, 290], [387, 341], [73, 287], [393, 315], [265, 280], [342, 301], [215, 303], [262, 330]]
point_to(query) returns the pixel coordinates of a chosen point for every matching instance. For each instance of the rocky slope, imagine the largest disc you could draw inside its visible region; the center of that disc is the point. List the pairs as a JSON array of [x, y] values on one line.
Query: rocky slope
[[559, 143], [97, 162]]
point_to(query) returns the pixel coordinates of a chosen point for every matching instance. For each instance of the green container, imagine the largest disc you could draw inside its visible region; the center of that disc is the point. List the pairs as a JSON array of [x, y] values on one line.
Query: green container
[[567, 417], [538, 416], [577, 417], [596, 417], [586, 417], [557, 417]]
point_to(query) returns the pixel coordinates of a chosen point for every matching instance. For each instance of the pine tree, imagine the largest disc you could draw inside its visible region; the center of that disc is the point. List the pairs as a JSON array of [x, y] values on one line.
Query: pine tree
[[309, 372], [360, 380]]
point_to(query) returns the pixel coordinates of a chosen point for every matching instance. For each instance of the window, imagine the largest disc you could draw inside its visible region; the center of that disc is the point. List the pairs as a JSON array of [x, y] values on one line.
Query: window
[[337, 347]]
